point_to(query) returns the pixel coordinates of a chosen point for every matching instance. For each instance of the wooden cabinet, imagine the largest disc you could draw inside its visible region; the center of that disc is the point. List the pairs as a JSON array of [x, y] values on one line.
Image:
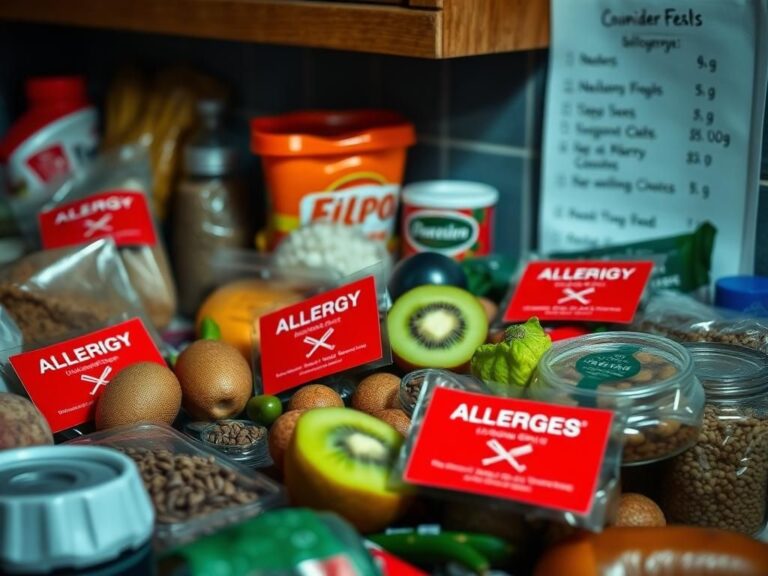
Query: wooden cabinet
[[420, 28]]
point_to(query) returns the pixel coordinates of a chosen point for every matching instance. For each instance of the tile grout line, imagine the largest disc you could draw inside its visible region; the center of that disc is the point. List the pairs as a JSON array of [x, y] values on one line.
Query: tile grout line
[[764, 183], [526, 202], [445, 112], [476, 146]]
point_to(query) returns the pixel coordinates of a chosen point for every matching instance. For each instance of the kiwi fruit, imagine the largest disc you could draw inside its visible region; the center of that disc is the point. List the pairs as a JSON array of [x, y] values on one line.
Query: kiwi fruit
[[396, 418], [145, 391], [280, 435], [436, 327], [315, 396], [340, 460], [376, 392]]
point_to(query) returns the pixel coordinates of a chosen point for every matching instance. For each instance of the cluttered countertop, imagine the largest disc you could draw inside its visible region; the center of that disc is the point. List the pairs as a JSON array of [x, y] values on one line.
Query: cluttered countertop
[[363, 386]]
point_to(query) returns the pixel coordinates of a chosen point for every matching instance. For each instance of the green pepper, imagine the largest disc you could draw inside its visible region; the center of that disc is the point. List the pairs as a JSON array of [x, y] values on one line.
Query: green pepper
[[209, 329], [433, 549], [507, 366]]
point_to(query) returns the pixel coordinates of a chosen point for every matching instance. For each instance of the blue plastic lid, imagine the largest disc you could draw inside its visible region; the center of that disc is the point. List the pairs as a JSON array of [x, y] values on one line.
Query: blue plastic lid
[[743, 293]]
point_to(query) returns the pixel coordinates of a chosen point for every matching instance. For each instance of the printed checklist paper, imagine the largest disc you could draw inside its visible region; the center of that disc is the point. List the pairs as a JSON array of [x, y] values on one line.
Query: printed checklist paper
[[654, 124]]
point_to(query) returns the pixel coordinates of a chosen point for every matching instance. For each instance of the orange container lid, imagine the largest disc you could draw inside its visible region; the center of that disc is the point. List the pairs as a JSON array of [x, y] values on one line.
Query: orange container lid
[[329, 132]]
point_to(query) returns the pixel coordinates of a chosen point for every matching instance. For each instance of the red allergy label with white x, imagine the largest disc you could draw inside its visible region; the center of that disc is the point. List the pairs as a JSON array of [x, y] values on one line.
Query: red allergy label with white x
[[323, 335], [579, 290], [64, 380], [121, 214], [535, 453]]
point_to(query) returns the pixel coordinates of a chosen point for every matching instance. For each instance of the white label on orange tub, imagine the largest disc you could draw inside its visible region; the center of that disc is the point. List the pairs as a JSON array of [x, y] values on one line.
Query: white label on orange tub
[[371, 207]]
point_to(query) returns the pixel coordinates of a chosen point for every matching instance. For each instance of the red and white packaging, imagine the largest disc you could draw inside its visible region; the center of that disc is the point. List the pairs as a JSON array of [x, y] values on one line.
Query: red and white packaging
[[389, 564], [545, 460], [579, 290], [65, 380], [55, 138], [123, 215], [329, 333]]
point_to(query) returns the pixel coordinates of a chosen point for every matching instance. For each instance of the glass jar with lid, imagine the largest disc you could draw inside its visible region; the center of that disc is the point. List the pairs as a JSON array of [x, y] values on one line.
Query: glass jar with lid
[[722, 481], [650, 379]]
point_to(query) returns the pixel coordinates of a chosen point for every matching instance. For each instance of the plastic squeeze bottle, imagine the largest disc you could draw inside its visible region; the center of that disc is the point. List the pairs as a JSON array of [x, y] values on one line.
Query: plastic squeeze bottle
[[54, 138]]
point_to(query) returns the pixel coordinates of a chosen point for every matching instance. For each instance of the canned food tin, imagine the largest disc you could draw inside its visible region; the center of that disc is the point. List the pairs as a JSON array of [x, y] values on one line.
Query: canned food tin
[[452, 217]]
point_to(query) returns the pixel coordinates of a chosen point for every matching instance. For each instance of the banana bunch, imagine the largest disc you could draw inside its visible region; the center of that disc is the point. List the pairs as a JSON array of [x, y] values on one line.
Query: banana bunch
[[157, 113]]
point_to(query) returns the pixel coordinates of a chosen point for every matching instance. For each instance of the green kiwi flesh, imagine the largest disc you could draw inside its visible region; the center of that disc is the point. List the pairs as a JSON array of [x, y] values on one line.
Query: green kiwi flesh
[[436, 327], [351, 447]]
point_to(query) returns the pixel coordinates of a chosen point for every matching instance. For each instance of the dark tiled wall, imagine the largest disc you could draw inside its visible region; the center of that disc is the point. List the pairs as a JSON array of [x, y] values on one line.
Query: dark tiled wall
[[476, 118]]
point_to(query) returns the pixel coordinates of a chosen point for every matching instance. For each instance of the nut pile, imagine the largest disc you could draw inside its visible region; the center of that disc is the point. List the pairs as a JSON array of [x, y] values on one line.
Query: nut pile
[[233, 434], [722, 482], [183, 486], [668, 437]]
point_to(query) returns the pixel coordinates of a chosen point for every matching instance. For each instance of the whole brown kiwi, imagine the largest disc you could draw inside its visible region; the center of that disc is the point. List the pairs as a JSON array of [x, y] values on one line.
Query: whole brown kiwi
[[376, 392], [315, 396], [216, 381], [280, 435], [396, 418], [146, 391]]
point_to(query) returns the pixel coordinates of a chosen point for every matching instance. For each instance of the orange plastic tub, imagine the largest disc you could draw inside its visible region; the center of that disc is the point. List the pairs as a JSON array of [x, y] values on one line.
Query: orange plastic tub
[[339, 166]]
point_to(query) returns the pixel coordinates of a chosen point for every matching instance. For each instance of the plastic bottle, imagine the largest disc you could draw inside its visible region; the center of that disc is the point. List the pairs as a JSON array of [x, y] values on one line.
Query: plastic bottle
[[53, 139]]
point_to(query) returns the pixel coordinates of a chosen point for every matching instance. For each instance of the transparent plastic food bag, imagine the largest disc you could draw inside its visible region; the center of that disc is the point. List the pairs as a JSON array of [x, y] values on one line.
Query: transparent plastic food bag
[[111, 198]]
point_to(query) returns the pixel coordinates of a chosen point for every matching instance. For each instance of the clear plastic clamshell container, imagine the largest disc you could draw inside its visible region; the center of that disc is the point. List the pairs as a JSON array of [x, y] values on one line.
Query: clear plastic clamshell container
[[195, 490], [649, 378]]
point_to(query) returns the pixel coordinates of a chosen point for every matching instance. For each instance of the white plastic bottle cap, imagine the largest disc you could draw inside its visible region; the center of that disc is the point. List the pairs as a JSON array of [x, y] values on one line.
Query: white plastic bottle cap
[[69, 507]]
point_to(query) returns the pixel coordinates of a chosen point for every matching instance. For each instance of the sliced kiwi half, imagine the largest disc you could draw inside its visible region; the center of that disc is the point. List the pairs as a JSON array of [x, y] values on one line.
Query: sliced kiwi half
[[347, 448], [436, 327]]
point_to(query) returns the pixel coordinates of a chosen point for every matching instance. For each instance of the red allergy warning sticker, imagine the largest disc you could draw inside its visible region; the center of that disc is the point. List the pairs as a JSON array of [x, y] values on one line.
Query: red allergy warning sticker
[[579, 290], [534, 453], [121, 214], [64, 380], [323, 335]]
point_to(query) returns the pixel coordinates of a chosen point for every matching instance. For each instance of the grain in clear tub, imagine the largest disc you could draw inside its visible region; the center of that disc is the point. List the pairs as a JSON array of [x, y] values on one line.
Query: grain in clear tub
[[452, 217], [649, 378], [333, 166]]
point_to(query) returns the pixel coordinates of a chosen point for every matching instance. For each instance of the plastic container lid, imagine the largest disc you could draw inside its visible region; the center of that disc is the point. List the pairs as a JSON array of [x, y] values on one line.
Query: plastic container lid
[[54, 89], [458, 194], [69, 507], [744, 293], [329, 132], [727, 370]]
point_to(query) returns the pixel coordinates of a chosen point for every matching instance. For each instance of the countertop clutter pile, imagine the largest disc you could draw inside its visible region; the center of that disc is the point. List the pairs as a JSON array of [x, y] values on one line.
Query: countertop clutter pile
[[299, 400]]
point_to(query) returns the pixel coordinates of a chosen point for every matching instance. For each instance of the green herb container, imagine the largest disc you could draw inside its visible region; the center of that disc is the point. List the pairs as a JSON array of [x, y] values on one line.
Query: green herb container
[[648, 377]]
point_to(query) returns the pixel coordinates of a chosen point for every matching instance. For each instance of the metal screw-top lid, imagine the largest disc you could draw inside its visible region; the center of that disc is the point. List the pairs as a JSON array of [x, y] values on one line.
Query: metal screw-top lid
[[69, 507], [210, 151]]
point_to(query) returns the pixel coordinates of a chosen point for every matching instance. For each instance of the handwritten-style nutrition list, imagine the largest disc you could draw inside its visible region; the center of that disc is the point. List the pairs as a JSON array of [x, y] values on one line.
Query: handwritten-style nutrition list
[[653, 123]]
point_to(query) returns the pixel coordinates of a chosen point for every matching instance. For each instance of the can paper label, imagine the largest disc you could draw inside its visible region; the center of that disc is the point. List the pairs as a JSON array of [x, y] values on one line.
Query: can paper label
[[581, 290], [64, 380], [371, 207], [454, 233], [324, 335], [121, 214], [529, 452]]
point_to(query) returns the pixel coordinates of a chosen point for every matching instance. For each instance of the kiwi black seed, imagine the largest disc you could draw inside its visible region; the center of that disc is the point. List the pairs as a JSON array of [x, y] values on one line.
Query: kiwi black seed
[[436, 327]]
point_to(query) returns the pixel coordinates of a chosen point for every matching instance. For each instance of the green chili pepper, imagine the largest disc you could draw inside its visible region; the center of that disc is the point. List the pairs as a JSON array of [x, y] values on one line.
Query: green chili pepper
[[497, 550], [209, 329], [432, 549]]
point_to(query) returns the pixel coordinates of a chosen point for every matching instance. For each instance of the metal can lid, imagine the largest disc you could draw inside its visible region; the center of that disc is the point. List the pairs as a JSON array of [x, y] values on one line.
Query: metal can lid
[[69, 507]]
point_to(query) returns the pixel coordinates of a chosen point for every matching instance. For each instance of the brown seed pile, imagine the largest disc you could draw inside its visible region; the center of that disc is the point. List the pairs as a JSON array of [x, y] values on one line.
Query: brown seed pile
[[662, 440], [234, 434], [410, 394], [682, 330], [184, 486], [722, 482]]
